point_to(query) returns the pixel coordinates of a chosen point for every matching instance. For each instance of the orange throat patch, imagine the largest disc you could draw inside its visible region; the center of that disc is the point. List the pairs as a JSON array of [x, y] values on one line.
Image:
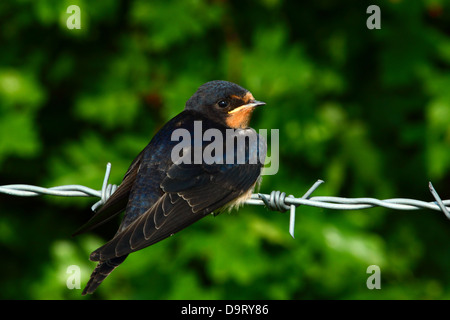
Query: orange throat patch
[[239, 119]]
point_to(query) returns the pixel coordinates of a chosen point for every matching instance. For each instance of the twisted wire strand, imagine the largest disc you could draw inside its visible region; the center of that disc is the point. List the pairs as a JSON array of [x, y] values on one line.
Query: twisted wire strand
[[338, 203], [73, 190], [276, 200]]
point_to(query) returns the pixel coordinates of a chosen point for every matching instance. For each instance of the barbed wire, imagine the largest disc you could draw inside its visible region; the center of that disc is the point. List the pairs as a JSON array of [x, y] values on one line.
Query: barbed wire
[[276, 200], [73, 190]]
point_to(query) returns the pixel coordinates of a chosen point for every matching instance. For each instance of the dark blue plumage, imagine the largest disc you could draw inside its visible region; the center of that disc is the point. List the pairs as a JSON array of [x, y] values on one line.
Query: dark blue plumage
[[162, 195]]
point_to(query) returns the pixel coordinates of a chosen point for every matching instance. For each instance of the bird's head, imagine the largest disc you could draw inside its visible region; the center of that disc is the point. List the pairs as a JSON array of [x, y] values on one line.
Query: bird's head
[[224, 102]]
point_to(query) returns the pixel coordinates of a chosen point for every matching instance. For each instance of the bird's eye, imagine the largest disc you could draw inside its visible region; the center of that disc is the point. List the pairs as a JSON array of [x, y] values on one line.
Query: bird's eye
[[222, 103]]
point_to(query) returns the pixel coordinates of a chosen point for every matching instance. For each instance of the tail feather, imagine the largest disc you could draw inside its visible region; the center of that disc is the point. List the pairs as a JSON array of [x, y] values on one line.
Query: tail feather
[[101, 271]]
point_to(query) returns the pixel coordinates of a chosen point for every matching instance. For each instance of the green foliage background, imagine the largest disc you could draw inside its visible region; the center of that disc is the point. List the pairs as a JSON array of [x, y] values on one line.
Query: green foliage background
[[365, 110]]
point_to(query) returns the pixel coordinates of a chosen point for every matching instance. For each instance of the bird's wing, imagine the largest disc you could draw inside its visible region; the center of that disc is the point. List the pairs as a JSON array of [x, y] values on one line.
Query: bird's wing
[[117, 202], [191, 192]]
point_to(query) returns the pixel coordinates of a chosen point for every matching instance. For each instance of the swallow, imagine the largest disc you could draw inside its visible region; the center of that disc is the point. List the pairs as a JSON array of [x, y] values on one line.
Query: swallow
[[162, 195]]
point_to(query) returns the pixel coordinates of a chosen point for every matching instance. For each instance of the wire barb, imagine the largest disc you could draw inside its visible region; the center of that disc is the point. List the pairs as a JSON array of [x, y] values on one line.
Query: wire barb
[[438, 200], [277, 203], [74, 190], [107, 189], [276, 200]]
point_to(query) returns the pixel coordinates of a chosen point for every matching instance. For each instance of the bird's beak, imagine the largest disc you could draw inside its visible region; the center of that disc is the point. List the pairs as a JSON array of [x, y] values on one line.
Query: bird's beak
[[251, 104]]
